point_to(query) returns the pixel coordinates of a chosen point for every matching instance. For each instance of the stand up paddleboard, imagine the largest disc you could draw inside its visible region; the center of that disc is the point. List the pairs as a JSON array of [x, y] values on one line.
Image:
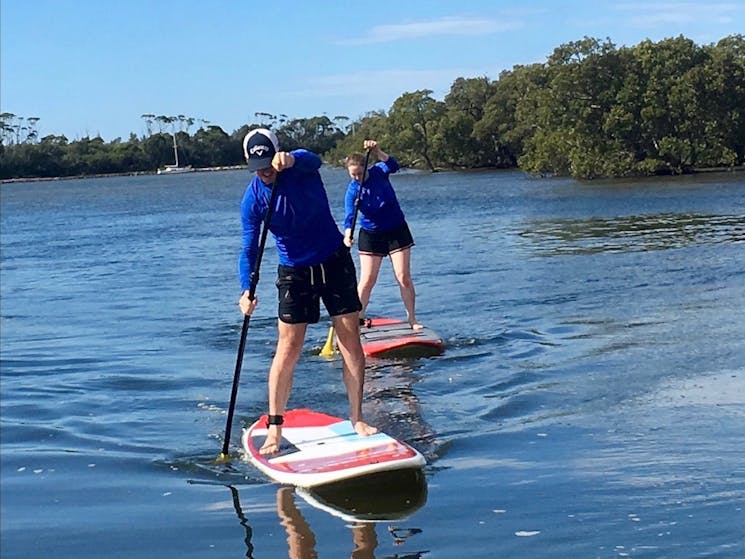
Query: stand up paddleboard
[[318, 449], [388, 337]]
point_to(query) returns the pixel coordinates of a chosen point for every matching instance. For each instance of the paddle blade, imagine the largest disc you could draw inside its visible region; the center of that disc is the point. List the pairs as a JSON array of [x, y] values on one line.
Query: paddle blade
[[328, 347], [222, 459]]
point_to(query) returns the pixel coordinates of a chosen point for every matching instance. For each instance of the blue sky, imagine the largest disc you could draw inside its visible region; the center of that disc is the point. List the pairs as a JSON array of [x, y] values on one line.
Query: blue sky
[[93, 67]]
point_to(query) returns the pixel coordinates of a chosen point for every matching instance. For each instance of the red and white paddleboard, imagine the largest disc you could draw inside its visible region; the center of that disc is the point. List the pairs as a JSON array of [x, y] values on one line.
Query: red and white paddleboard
[[318, 449], [388, 337]]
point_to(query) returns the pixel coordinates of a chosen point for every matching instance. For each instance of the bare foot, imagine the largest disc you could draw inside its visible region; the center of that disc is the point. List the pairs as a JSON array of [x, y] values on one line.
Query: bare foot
[[271, 444], [363, 429], [269, 447], [417, 326]]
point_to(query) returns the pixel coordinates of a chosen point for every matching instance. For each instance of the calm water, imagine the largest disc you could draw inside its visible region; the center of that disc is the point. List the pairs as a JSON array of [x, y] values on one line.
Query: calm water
[[591, 401]]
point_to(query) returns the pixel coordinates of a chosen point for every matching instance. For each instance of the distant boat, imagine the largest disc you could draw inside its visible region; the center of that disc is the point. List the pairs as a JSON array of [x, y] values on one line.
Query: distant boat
[[175, 168]]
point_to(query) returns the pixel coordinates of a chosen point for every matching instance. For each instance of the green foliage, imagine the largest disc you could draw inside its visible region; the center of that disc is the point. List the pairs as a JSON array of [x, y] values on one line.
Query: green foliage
[[372, 125], [413, 128], [591, 110], [318, 134], [666, 107]]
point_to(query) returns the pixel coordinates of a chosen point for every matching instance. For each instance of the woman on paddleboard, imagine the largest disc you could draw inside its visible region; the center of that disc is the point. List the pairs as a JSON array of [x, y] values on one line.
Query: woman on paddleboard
[[383, 228], [314, 264]]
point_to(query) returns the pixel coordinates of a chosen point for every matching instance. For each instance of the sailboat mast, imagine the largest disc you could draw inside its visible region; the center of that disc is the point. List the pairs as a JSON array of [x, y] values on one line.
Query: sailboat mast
[[175, 149]]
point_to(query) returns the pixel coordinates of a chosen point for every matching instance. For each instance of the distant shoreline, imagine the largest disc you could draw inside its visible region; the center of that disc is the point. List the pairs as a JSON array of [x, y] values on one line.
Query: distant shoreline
[[108, 175], [736, 169]]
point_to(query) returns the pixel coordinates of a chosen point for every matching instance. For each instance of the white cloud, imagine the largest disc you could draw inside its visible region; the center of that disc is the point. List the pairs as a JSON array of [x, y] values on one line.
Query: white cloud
[[658, 14], [372, 83], [452, 25], [356, 83], [358, 92]]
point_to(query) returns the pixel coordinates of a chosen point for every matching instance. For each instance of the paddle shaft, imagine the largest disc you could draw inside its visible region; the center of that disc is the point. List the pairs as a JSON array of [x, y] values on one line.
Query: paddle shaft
[[328, 348], [359, 195], [247, 318]]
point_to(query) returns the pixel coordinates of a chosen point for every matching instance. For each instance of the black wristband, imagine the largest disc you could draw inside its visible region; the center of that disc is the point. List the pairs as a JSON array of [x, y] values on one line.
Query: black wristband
[[274, 420]]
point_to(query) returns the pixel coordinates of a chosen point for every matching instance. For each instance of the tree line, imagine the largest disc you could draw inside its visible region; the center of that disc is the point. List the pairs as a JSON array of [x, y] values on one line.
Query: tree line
[[24, 155], [591, 109]]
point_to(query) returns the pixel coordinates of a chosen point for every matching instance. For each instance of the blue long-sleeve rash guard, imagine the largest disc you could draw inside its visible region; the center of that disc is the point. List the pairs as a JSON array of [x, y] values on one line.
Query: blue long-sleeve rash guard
[[303, 228], [379, 207]]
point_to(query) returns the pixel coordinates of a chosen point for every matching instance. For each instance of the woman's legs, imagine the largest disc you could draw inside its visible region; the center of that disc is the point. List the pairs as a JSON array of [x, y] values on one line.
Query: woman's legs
[[369, 269], [401, 262]]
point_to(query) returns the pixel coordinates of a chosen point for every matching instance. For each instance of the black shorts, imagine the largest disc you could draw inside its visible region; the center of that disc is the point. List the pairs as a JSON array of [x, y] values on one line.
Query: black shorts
[[334, 281], [383, 243]]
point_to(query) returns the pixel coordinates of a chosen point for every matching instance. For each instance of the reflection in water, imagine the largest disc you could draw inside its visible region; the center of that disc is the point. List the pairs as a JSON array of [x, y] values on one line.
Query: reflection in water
[[301, 541], [633, 233], [391, 495], [244, 522], [362, 503], [400, 535], [365, 540]]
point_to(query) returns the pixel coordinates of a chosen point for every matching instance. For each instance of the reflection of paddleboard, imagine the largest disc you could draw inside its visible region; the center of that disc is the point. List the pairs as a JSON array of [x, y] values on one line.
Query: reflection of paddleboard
[[388, 337], [378, 497], [317, 449]]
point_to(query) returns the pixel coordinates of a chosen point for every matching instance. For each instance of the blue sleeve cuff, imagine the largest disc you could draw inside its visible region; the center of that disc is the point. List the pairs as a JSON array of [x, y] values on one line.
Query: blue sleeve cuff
[[306, 160], [392, 164]]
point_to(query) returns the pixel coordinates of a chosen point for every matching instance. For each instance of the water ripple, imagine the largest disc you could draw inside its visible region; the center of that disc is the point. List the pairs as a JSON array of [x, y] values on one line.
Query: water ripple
[[633, 233]]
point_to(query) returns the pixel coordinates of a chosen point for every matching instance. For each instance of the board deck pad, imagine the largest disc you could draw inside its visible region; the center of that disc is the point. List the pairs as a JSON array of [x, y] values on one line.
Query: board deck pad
[[392, 338], [318, 449]]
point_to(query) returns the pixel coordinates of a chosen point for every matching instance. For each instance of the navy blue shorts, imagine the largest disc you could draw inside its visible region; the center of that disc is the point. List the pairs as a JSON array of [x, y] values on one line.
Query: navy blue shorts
[[383, 243], [301, 289]]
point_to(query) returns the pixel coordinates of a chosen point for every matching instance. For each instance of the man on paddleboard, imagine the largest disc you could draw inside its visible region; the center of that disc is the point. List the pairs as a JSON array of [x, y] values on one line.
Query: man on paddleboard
[[314, 265], [383, 228]]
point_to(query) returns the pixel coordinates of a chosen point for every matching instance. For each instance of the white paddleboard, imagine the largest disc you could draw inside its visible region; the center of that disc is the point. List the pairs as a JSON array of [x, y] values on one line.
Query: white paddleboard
[[318, 449]]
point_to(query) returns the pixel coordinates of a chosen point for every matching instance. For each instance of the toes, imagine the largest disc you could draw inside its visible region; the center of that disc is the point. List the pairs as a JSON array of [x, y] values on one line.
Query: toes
[[363, 429], [269, 448]]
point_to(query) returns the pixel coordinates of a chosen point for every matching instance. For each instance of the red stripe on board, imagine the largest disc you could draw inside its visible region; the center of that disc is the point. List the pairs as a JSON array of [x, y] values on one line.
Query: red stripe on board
[[387, 452], [384, 321], [379, 346]]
